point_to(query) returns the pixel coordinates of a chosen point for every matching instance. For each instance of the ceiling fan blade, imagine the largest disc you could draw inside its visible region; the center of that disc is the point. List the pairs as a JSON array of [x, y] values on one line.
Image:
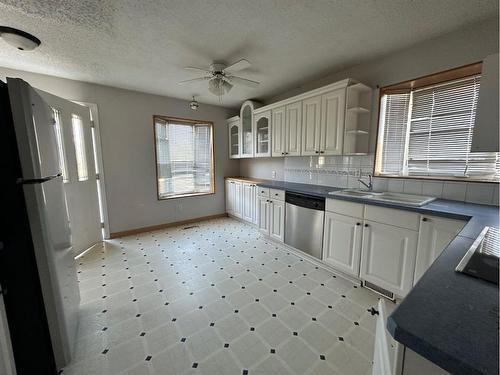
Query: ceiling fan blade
[[199, 79], [237, 66], [243, 81], [195, 69]]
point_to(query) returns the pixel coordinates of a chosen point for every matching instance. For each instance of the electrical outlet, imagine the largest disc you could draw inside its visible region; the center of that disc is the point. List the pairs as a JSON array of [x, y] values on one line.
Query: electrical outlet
[[274, 174]]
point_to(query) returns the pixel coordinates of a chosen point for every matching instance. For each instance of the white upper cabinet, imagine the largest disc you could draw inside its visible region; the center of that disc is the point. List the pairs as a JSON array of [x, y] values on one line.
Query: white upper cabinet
[[388, 256], [332, 122], [434, 235], [234, 128], [311, 126], [262, 127], [293, 128], [278, 131], [247, 128]]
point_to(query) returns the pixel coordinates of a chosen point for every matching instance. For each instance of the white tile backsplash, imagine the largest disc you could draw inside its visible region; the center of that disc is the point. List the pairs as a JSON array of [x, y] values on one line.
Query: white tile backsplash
[[396, 185], [413, 187], [454, 190], [344, 172], [479, 192]]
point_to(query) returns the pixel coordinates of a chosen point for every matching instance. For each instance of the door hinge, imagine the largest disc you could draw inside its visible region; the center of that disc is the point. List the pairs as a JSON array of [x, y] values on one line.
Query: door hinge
[[97, 177], [92, 124], [102, 225]]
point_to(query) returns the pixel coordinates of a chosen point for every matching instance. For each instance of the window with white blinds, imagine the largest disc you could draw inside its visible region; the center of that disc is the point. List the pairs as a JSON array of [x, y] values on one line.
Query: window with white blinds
[[427, 132], [184, 157]]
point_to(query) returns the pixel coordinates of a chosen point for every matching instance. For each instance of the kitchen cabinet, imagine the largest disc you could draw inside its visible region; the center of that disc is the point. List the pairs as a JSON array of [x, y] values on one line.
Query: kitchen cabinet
[[388, 256], [434, 235], [234, 128], [233, 198], [311, 126], [262, 133], [278, 131], [277, 220], [271, 213], [293, 128], [323, 123], [342, 242], [263, 212], [249, 203], [241, 200], [388, 353], [247, 128], [332, 122]]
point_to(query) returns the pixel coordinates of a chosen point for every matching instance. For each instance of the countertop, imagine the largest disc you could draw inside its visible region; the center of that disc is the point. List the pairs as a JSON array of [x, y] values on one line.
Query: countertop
[[449, 318]]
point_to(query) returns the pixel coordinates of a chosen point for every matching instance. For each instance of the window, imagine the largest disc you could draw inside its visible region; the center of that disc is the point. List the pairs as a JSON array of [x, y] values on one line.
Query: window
[[60, 143], [79, 141], [425, 130], [184, 157]]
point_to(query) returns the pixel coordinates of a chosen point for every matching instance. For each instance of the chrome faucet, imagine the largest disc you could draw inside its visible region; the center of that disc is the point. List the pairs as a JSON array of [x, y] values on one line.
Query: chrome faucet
[[369, 184]]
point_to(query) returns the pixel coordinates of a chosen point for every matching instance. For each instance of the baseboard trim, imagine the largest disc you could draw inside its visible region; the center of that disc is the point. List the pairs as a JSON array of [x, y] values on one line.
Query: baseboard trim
[[130, 232]]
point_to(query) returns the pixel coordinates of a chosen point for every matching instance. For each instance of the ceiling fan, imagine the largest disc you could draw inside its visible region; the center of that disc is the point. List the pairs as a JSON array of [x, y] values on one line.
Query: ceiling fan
[[220, 77]]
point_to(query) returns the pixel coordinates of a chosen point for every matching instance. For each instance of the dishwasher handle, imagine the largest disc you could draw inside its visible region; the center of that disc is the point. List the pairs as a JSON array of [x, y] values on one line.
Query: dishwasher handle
[[306, 201]]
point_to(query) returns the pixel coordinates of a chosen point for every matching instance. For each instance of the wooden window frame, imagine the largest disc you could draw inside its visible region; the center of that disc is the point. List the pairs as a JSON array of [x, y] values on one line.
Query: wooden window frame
[[186, 121], [416, 83]]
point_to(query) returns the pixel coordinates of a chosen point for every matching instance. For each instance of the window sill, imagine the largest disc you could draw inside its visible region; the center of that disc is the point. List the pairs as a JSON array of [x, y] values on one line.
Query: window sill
[[437, 178], [164, 198]]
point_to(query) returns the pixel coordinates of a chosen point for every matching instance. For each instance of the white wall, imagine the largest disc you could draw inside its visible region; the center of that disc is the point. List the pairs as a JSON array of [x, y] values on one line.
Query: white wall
[[125, 120], [465, 46]]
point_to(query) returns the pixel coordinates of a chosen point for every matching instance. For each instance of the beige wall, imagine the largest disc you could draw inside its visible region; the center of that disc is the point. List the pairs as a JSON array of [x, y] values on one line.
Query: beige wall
[[125, 119], [465, 46]]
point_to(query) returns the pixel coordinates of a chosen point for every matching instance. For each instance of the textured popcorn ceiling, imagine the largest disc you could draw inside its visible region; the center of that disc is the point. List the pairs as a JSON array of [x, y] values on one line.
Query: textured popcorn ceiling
[[143, 44]]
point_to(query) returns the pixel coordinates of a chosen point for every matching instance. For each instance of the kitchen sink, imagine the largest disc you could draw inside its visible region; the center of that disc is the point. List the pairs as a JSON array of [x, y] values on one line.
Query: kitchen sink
[[389, 197]]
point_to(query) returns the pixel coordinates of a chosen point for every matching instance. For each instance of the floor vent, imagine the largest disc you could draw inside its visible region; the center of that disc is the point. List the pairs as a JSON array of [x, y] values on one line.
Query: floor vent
[[190, 227], [379, 290]]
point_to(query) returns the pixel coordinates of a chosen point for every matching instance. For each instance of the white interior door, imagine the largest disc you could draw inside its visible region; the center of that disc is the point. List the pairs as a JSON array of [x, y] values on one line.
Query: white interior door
[[76, 151]]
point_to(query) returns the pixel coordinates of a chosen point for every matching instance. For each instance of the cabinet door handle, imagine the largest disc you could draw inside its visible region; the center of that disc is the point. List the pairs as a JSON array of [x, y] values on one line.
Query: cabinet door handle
[[366, 225], [282, 153], [424, 219], [322, 152], [316, 152], [358, 224]]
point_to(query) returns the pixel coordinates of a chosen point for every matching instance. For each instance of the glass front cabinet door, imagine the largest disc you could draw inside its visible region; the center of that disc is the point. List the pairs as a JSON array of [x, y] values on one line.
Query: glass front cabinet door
[[234, 127], [247, 129], [262, 134]]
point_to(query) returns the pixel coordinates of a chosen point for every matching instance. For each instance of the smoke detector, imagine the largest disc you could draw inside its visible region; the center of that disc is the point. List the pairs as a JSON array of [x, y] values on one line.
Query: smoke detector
[[19, 39], [194, 104]]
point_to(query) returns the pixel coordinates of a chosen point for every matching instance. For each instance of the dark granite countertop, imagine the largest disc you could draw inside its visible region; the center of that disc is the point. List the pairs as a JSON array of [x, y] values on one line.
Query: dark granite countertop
[[449, 318]]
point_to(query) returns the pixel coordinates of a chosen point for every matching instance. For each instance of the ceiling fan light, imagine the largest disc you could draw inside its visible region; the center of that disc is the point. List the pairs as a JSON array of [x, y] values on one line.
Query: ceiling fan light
[[218, 87]]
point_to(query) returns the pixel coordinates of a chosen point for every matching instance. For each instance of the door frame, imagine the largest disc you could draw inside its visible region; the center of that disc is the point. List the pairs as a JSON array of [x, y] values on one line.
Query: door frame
[[94, 116]]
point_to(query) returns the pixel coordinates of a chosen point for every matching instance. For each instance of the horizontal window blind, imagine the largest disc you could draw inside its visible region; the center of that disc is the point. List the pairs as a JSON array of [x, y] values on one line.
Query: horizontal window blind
[[428, 132], [184, 158], [394, 114]]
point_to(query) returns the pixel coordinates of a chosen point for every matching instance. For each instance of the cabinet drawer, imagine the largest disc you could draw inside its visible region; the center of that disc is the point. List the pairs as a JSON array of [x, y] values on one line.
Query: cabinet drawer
[[391, 216], [277, 194], [345, 208], [263, 191]]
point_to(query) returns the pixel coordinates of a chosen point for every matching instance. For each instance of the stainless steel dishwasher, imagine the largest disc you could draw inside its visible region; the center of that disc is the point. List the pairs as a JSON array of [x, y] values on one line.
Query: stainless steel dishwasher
[[304, 220]]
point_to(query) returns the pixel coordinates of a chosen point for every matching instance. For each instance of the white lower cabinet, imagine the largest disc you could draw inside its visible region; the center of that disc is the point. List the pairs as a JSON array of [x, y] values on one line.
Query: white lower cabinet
[[434, 235], [388, 256], [249, 203], [342, 242], [263, 208], [241, 200], [271, 216], [277, 222]]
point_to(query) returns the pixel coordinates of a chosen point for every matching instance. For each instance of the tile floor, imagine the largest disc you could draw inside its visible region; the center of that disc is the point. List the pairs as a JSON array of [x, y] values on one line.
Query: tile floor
[[216, 298]]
